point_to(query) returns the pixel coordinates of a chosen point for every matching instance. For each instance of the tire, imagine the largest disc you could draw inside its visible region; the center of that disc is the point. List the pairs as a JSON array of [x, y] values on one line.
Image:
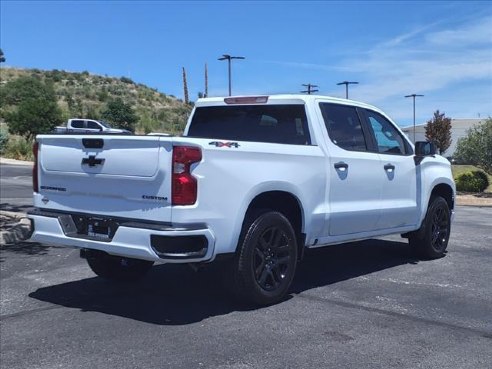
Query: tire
[[265, 263], [431, 240], [118, 268]]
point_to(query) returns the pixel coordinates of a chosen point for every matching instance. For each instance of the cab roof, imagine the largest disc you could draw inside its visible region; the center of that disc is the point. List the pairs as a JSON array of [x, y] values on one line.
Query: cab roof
[[275, 99]]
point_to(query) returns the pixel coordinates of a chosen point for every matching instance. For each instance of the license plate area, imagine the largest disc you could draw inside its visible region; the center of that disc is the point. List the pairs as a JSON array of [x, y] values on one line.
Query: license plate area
[[97, 228]]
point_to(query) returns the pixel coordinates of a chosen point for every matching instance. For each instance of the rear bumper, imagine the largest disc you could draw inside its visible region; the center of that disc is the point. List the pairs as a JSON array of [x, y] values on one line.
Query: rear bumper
[[152, 241]]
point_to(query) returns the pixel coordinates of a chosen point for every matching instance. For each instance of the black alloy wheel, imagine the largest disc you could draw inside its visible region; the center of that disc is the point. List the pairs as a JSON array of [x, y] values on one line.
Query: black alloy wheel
[[272, 258], [440, 228], [431, 240], [265, 263]]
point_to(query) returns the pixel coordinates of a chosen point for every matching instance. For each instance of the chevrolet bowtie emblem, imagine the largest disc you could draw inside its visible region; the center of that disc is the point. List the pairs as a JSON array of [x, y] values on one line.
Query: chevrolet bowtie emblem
[[92, 161]]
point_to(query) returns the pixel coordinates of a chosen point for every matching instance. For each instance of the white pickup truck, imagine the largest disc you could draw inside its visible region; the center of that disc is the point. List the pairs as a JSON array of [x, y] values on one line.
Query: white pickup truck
[[80, 125], [253, 182]]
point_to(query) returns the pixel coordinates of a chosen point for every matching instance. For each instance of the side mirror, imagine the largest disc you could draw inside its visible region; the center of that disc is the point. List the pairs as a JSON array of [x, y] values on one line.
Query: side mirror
[[425, 148]]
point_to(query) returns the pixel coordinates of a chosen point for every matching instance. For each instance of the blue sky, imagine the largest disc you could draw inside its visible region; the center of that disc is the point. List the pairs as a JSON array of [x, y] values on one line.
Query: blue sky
[[440, 49]]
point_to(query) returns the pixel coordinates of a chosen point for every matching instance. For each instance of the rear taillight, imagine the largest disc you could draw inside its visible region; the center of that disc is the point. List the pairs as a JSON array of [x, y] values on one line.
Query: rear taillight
[[35, 183], [184, 186]]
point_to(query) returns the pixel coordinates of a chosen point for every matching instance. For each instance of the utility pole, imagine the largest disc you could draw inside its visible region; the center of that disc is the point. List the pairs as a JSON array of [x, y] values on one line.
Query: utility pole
[[229, 58], [206, 80], [310, 89], [346, 83], [414, 96], [185, 87]]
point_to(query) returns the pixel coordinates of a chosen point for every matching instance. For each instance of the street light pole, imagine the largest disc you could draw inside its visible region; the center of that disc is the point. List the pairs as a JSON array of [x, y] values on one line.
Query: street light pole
[[346, 83], [414, 96], [229, 58]]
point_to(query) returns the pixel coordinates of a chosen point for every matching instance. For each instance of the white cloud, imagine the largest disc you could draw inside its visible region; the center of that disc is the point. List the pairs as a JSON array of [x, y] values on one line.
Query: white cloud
[[451, 64], [409, 35], [476, 33], [428, 63]]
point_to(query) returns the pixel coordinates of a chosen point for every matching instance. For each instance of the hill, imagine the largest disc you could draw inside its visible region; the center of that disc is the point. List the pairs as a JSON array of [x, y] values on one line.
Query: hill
[[85, 95]]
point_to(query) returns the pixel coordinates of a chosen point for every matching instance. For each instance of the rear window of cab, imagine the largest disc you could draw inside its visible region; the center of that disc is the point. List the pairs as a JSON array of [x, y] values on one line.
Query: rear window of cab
[[284, 124]]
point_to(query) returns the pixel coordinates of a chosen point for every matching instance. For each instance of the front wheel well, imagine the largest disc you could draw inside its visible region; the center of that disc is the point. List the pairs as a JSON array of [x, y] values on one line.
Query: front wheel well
[[446, 192], [283, 202]]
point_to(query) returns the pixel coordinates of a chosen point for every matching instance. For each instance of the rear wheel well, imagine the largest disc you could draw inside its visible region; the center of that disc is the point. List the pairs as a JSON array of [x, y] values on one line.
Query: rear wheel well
[[283, 202]]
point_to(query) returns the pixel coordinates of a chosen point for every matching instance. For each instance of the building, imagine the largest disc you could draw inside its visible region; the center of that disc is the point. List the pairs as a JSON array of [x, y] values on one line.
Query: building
[[459, 128]]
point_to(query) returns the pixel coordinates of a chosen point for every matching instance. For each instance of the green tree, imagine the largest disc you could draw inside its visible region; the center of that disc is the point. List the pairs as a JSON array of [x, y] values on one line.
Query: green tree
[[476, 147], [34, 107], [24, 88], [2, 56], [438, 130], [120, 114], [34, 116]]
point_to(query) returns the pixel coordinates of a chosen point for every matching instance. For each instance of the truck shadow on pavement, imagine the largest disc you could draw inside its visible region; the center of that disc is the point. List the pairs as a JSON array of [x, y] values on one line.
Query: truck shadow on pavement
[[175, 295]]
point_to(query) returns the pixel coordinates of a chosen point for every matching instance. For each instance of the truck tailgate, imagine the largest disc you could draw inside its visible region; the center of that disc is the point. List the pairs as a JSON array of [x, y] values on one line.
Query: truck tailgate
[[118, 176]]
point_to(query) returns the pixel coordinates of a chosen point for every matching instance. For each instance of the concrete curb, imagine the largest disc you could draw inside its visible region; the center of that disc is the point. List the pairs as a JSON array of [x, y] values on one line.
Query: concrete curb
[[470, 200], [15, 228], [14, 161]]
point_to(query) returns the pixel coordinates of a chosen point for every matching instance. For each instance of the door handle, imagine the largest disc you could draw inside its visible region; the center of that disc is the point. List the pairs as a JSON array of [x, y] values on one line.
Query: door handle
[[341, 166], [389, 167]]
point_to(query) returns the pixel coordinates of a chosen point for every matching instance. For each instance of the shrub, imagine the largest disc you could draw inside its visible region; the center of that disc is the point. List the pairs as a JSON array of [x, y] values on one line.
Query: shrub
[[126, 80], [4, 139], [483, 177], [19, 148], [475, 181]]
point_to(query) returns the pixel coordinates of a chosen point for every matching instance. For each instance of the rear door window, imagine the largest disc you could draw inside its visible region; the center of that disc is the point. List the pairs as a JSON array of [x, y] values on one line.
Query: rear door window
[[77, 123], [344, 127], [285, 124]]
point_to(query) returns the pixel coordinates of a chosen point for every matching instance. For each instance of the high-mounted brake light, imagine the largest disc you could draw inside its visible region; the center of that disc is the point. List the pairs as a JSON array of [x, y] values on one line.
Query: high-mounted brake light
[[246, 100], [35, 183], [184, 185]]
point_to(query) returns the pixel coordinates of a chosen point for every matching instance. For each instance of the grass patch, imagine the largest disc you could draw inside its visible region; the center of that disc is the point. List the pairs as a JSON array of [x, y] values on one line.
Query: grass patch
[[460, 169], [18, 148]]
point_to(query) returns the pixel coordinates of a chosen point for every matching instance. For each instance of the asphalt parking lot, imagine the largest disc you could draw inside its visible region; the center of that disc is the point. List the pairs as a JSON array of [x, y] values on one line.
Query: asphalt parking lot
[[363, 305]]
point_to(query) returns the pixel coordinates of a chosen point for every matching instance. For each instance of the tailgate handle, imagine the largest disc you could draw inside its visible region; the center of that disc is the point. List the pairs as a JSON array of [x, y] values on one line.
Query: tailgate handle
[[92, 161], [93, 143]]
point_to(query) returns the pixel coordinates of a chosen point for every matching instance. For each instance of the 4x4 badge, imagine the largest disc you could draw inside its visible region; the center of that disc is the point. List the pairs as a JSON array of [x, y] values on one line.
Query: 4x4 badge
[[224, 144]]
